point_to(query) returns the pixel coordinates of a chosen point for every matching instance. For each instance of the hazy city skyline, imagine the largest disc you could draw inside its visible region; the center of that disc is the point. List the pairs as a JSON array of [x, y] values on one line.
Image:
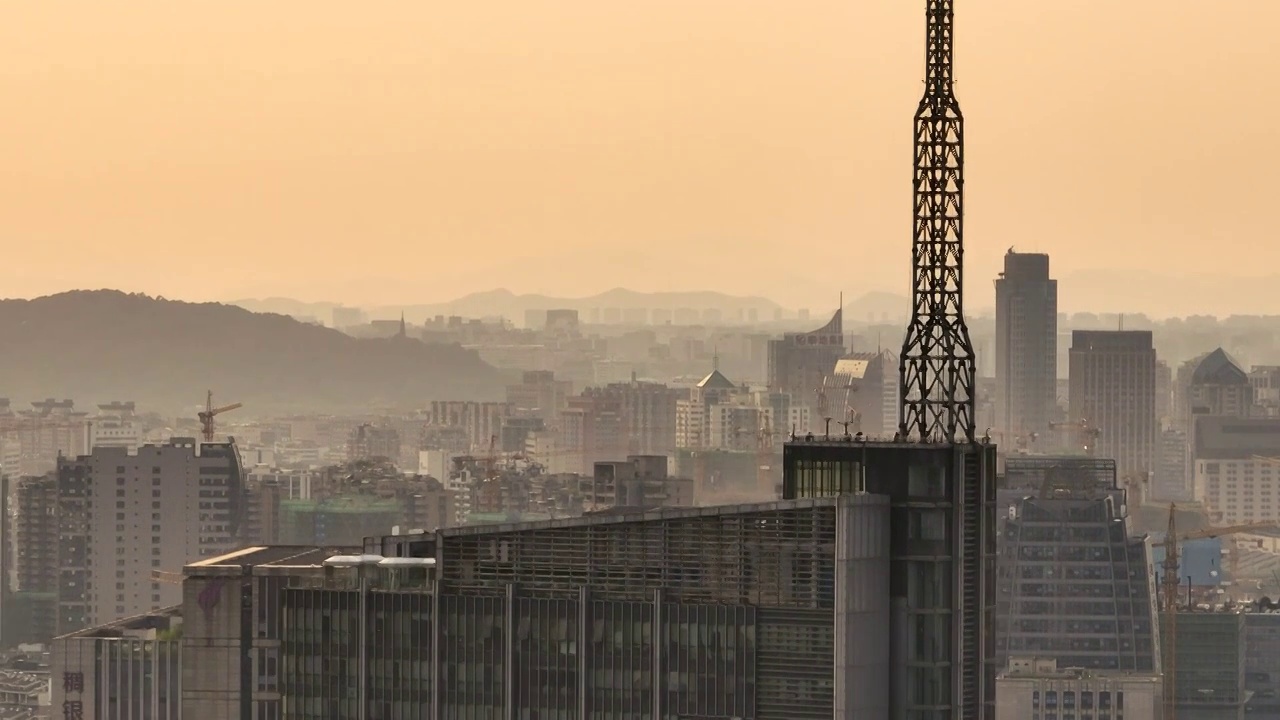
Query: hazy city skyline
[[327, 152]]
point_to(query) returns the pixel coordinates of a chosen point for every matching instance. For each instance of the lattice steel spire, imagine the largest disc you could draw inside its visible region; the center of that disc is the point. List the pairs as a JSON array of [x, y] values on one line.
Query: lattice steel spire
[[937, 371]]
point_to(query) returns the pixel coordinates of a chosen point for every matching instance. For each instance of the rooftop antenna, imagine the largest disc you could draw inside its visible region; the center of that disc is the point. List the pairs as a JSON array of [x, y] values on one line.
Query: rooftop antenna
[[938, 375], [827, 433], [715, 358], [846, 425]]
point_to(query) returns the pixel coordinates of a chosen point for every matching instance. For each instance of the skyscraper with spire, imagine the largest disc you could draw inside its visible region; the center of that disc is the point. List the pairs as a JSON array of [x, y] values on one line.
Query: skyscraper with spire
[[937, 474]]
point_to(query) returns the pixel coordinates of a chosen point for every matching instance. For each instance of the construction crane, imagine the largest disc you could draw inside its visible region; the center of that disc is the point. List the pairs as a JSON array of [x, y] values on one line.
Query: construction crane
[[206, 416], [1088, 432], [1170, 581]]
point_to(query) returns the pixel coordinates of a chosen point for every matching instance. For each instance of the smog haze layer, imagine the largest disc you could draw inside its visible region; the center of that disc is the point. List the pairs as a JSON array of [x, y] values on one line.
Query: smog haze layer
[[409, 151]]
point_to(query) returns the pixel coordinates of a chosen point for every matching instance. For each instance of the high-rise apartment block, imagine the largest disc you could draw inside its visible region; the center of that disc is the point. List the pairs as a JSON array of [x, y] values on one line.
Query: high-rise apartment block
[[367, 442], [617, 420], [1218, 385], [539, 394], [36, 540], [116, 425], [1233, 473], [1026, 345], [1172, 479], [1265, 380], [1113, 375], [481, 421], [122, 515], [30, 609]]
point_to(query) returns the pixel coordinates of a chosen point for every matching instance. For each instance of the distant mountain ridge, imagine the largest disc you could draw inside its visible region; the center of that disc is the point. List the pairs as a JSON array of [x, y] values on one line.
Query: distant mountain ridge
[[93, 346], [503, 302]]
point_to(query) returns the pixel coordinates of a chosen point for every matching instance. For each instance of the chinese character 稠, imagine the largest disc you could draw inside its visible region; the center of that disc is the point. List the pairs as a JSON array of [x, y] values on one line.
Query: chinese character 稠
[[73, 682], [72, 710]]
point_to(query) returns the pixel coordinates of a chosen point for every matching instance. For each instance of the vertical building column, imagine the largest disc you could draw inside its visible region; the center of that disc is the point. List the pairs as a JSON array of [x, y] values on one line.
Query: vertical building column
[[584, 645], [656, 639], [435, 649], [509, 650], [362, 693]]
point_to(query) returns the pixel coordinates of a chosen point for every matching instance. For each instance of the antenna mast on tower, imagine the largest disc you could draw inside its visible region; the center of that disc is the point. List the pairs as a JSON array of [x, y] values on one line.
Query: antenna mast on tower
[[937, 369]]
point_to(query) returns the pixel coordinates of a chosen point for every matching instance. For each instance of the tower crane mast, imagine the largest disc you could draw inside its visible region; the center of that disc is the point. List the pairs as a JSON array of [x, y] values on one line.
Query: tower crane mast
[[210, 412]]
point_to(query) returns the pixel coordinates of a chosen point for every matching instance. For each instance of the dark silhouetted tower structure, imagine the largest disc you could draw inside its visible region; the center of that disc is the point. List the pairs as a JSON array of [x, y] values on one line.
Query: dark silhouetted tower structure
[[937, 364], [938, 478]]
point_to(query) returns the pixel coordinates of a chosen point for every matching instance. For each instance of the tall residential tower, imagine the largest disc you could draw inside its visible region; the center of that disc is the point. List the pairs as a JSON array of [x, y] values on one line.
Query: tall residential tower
[[1113, 386], [1026, 345]]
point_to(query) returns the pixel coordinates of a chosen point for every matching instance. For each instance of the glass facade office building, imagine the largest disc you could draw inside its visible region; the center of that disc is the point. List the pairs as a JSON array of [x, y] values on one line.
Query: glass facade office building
[[942, 657], [777, 610]]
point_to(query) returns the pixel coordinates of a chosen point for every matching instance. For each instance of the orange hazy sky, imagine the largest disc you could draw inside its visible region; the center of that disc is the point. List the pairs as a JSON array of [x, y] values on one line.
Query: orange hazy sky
[[415, 150]]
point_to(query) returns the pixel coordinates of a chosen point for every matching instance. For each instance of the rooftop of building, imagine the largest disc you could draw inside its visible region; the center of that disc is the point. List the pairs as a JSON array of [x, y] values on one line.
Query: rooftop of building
[[1111, 340], [632, 515], [16, 681], [162, 620], [347, 503], [834, 326], [1219, 368], [1230, 438], [265, 555], [716, 380], [1037, 668], [859, 440]]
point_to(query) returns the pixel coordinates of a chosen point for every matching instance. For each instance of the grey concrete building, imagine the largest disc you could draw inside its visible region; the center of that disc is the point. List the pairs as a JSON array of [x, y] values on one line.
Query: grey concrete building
[[1074, 586], [1034, 688], [942, 561], [1112, 385], [123, 515], [1026, 345], [1231, 467], [1208, 677], [130, 668], [798, 363], [30, 607], [1218, 385], [1262, 662], [867, 594], [778, 610], [1172, 479]]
